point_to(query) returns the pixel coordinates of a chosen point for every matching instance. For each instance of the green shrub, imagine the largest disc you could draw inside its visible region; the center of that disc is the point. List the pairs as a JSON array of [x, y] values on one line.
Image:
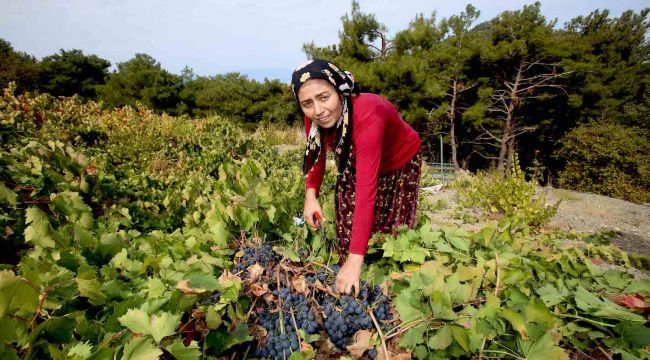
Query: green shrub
[[608, 159], [510, 194]]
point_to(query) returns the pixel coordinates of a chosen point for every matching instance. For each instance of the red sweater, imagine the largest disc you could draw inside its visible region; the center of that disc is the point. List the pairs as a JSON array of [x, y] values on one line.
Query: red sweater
[[382, 142]]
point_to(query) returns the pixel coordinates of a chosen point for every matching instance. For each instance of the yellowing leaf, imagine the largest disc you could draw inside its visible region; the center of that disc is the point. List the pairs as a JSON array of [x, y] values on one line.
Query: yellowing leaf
[[516, 320], [39, 231]]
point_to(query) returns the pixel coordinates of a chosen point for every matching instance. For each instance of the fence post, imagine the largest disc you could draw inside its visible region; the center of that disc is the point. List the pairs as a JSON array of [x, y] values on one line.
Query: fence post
[[442, 159]]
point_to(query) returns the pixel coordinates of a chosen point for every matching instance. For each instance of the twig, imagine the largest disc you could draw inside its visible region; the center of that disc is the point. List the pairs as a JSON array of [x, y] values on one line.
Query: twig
[[251, 309], [480, 355], [321, 265], [295, 326], [607, 355], [496, 290], [408, 327], [381, 335], [277, 272]]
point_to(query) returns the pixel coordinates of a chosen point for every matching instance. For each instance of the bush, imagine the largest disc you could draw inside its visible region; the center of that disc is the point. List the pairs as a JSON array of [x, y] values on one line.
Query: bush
[[608, 159], [510, 195]]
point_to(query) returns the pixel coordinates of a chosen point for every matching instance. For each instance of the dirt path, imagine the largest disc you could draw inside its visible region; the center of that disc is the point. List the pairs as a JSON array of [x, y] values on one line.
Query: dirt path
[[582, 212]]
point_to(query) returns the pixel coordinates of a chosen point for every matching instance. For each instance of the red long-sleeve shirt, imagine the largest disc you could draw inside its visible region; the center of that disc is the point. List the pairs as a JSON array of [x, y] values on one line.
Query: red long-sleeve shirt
[[382, 142]]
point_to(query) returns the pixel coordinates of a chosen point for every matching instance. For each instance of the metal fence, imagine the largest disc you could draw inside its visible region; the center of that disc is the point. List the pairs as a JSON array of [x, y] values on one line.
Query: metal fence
[[443, 171], [437, 167]]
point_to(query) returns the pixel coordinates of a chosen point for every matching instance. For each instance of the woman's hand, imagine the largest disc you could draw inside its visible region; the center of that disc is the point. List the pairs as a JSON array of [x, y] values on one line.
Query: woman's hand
[[312, 206], [349, 274]]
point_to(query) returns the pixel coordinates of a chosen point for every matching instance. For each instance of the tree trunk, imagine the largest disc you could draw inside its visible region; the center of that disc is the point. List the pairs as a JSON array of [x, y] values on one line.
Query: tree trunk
[[452, 123], [508, 136]]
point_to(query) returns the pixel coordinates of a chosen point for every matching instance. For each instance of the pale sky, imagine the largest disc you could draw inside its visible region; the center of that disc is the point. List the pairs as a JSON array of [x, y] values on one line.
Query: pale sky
[[256, 37]]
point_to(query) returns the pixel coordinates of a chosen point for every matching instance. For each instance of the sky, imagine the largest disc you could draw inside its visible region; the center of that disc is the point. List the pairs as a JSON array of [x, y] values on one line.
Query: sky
[[255, 37]]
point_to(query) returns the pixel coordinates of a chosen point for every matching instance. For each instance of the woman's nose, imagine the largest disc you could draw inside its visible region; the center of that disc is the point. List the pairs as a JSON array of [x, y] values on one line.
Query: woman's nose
[[318, 109]]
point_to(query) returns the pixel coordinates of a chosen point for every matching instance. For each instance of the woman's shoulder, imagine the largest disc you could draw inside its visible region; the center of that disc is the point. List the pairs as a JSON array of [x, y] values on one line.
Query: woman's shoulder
[[369, 103], [365, 99]]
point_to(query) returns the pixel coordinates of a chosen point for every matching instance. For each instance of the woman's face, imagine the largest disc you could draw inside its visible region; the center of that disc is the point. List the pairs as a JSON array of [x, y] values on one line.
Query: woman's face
[[320, 102]]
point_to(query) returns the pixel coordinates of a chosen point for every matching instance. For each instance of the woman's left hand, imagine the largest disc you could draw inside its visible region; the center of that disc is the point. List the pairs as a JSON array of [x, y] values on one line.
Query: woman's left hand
[[349, 275]]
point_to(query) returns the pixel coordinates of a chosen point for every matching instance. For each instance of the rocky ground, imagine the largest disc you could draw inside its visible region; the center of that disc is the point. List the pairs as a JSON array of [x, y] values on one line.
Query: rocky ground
[[628, 223]]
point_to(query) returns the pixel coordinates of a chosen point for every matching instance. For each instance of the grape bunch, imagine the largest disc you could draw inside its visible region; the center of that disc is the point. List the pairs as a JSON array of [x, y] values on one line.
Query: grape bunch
[[321, 276], [283, 338], [289, 311], [263, 255], [347, 315]]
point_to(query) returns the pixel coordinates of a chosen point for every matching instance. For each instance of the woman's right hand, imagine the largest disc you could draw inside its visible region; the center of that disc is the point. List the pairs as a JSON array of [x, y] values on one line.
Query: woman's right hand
[[312, 206]]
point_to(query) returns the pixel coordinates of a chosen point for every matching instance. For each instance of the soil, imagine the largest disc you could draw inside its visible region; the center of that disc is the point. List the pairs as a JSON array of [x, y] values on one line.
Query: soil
[[628, 224]]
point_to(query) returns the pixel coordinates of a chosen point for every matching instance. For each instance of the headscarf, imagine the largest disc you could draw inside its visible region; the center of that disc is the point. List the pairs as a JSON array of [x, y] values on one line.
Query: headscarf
[[344, 83]]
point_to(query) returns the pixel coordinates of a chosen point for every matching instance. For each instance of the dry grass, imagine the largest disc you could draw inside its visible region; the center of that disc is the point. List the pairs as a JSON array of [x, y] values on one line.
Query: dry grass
[[281, 134]]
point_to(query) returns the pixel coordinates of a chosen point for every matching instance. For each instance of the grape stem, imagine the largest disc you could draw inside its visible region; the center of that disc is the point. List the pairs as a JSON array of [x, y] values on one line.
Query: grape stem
[[381, 334], [251, 309], [277, 273], [321, 265], [295, 326]]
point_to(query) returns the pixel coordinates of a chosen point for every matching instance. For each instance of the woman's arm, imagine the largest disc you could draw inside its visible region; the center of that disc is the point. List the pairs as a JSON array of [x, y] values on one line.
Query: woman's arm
[[313, 181], [368, 143]]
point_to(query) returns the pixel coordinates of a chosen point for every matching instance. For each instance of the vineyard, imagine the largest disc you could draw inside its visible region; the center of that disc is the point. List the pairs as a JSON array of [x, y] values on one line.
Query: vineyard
[[132, 235]]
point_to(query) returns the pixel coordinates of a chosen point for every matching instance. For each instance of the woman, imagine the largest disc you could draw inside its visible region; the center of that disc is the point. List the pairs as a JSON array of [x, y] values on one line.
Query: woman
[[377, 157]]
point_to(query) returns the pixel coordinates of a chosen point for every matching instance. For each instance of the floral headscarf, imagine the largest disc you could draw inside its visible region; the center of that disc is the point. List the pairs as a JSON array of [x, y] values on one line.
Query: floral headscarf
[[344, 83]]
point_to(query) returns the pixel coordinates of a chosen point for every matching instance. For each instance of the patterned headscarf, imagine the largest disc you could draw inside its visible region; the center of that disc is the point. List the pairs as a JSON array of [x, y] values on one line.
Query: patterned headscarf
[[344, 83]]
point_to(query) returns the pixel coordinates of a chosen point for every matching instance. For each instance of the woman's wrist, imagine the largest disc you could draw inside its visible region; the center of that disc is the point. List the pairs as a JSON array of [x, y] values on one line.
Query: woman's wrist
[[355, 259], [311, 194]]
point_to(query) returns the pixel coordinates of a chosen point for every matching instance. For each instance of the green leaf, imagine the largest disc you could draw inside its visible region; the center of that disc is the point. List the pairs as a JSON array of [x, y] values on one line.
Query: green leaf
[[461, 336], [57, 330], [155, 288], [16, 294], [585, 300], [89, 286], [428, 236], [39, 231], [182, 352], [304, 355], [441, 340], [201, 281], [137, 321], [459, 238], [81, 351], [164, 325], [543, 349], [535, 311], [287, 253], [408, 306], [413, 337], [141, 349], [8, 331], [221, 340], [83, 237], [308, 338], [616, 312], [552, 296], [405, 248], [631, 334], [158, 326], [616, 279]]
